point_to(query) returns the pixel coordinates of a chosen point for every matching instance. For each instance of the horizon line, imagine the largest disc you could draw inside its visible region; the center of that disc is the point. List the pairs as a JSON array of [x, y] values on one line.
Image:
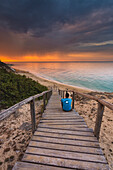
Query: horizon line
[[57, 61]]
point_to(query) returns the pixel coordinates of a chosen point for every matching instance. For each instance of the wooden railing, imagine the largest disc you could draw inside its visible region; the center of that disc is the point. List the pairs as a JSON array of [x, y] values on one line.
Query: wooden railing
[[31, 100], [101, 104]]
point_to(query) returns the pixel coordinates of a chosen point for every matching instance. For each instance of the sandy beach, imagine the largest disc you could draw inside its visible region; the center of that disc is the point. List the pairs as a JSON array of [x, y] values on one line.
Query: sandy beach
[[15, 131], [50, 83]]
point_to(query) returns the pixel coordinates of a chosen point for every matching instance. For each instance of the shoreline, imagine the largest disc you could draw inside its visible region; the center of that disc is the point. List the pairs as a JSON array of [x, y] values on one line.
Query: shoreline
[[52, 83]]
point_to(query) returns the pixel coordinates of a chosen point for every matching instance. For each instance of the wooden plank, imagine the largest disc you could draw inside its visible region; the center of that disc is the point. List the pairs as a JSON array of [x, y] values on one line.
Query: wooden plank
[[60, 120], [62, 136], [53, 117], [66, 154], [63, 131], [67, 127], [53, 106], [29, 166], [64, 147], [59, 110], [65, 122], [60, 114], [66, 163], [64, 125], [60, 117], [66, 141], [53, 103]]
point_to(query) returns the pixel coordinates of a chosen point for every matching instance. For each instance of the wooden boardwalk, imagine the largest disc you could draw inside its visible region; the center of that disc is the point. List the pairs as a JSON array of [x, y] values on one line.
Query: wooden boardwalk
[[62, 141]]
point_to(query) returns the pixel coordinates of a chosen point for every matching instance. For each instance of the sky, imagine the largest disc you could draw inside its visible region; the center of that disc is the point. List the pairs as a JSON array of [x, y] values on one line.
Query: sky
[[56, 30]]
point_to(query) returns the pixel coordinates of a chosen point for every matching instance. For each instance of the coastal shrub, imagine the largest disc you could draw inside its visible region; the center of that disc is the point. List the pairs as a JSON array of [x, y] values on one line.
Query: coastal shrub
[[15, 88]]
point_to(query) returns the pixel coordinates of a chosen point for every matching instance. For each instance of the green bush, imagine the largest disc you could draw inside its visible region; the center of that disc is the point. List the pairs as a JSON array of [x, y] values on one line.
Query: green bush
[[15, 88]]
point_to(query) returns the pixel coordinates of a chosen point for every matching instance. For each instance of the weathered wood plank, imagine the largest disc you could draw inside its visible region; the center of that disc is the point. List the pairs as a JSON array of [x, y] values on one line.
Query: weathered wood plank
[[66, 154], [60, 135], [64, 147], [67, 127], [63, 131], [61, 116], [59, 110], [29, 166], [66, 163], [61, 120], [66, 141], [83, 124], [61, 113]]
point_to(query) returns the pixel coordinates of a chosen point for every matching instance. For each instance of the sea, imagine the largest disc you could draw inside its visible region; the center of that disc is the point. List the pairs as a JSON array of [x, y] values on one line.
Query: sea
[[97, 76]]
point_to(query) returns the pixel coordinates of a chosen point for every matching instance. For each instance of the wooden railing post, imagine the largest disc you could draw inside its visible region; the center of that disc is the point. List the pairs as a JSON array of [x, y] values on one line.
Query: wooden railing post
[[46, 100], [98, 120], [59, 92], [44, 103], [48, 95], [33, 120], [63, 94], [73, 101]]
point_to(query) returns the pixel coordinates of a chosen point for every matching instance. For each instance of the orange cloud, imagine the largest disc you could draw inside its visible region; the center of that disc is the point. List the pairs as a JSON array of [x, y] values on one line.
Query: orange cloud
[[56, 56]]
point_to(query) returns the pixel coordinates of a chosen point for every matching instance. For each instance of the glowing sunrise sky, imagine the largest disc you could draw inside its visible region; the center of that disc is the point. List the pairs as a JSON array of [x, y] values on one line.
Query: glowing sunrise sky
[[56, 30]]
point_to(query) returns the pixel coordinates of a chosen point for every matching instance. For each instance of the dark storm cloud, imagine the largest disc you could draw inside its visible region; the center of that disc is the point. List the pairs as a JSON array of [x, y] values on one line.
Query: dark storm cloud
[[37, 26]]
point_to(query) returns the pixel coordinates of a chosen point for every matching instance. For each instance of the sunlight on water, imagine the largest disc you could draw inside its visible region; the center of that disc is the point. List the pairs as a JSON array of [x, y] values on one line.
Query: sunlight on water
[[95, 76]]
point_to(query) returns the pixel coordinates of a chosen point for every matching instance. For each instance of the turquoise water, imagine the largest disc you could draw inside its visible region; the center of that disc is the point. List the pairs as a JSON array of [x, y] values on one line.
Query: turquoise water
[[92, 75]]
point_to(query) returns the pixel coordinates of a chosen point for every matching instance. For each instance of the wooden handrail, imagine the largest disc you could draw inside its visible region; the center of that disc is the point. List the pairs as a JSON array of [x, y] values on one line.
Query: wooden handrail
[[101, 104], [30, 100]]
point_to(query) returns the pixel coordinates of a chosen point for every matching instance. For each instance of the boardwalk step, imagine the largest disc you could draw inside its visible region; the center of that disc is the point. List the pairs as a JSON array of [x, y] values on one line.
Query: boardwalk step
[[29, 166], [64, 147], [77, 142], [62, 162], [63, 131], [67, 136]]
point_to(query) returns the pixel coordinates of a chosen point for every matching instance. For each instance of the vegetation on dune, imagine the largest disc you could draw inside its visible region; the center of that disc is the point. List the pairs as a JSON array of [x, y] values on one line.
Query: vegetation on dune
[[15, 88]]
